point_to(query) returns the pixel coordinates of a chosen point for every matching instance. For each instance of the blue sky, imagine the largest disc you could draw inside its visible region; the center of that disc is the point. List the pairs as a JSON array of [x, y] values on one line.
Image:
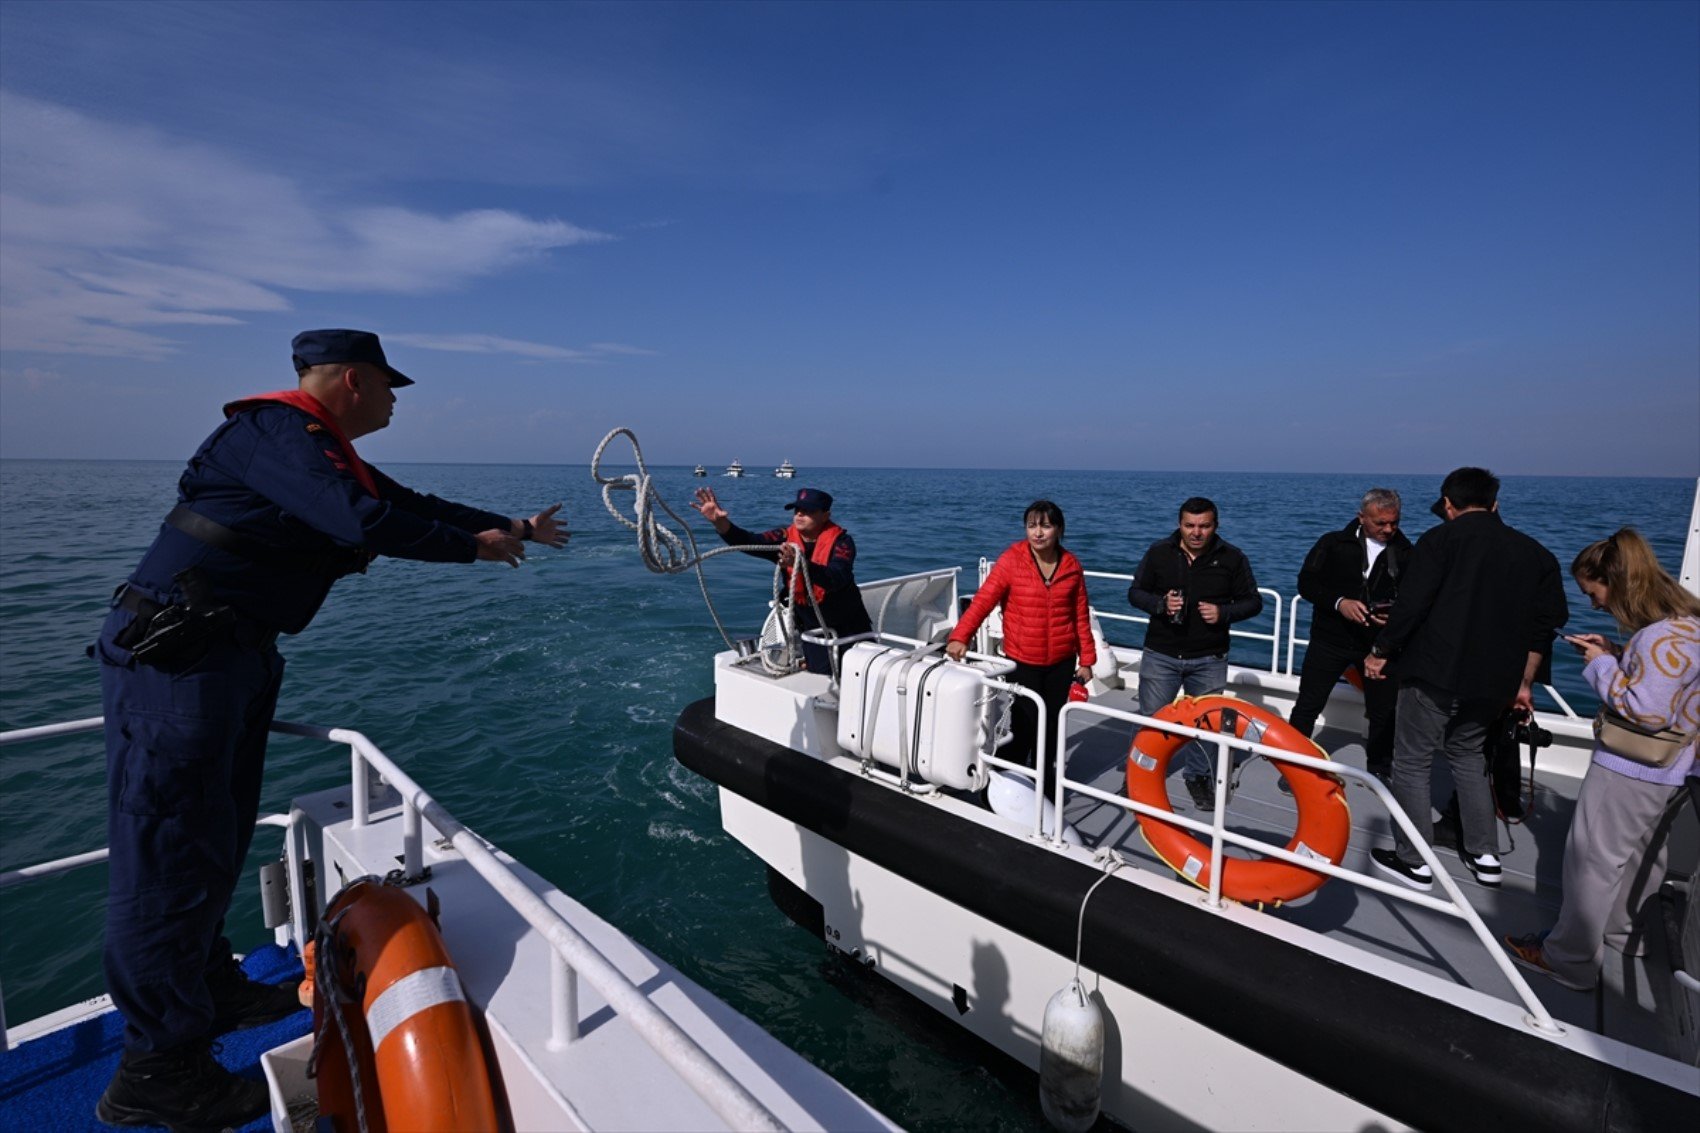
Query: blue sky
[[1307, 237]]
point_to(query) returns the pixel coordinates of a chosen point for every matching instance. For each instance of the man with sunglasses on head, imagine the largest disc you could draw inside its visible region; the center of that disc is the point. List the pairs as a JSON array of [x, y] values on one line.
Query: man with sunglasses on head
[[1351, 577]]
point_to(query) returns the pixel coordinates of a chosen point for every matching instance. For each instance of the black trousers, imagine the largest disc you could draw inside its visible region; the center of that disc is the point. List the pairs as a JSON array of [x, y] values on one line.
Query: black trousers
[[1051, 683], [1324, 664]]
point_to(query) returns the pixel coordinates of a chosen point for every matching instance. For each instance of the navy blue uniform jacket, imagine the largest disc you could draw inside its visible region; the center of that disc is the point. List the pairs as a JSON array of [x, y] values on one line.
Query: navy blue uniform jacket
[[276, 476]]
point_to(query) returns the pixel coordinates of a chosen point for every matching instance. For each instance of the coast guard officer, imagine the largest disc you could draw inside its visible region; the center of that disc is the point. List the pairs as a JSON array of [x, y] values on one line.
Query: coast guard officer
[[271, 511]]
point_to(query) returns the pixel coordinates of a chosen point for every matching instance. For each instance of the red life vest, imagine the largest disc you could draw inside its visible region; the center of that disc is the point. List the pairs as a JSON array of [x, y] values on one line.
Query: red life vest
[[819, 555], [314, 408]]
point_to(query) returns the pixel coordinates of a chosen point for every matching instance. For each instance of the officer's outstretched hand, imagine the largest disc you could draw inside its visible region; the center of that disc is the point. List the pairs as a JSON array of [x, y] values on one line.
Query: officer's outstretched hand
[[497, 546], [546, 529]]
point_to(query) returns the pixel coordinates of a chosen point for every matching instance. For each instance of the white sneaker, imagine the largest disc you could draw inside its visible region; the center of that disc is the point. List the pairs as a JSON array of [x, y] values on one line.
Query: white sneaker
[[1484, 868]]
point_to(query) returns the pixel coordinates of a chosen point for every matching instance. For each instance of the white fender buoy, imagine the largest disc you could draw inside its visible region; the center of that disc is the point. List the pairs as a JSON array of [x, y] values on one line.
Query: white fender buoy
[[1071, 1060], [1010, 795], [1105, 667]]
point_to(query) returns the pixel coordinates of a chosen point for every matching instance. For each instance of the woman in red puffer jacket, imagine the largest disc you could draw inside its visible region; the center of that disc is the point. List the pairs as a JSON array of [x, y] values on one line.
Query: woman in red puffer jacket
[[1047, 630]]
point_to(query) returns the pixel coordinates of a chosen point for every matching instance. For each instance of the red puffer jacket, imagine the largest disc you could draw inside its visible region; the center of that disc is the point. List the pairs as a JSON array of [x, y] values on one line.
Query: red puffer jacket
[[1043, 623]]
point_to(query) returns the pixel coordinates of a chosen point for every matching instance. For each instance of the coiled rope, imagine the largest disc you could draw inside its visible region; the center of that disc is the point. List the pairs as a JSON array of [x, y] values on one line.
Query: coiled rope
[[665, 551]]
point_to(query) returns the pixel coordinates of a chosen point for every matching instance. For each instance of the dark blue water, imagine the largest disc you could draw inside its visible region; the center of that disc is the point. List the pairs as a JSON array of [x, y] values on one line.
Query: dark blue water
[[537, 704]]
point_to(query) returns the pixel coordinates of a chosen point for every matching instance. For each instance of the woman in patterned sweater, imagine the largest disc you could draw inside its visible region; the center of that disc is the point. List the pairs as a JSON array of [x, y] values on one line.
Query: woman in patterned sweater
[[1615, 856]]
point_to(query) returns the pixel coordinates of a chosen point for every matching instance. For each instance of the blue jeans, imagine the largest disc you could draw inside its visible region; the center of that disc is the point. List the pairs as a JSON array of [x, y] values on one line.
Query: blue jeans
[[1162, 676]]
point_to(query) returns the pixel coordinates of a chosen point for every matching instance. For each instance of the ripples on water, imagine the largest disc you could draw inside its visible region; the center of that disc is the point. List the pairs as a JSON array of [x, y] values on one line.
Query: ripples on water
[[538, 704]]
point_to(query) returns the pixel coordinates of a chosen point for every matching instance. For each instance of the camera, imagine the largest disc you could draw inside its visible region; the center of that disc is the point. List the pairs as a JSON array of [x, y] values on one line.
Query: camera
[[1518, 732], [1380, 608]]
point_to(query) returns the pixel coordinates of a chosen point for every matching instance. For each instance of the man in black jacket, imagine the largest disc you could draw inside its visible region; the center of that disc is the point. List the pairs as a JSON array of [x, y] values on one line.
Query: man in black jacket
[[1472, 633], [1193, 584], [1351, 576]]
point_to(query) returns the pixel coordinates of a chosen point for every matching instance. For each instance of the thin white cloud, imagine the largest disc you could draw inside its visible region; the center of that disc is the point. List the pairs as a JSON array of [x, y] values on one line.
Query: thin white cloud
[[107, 228], [622, 348], [519, 348]]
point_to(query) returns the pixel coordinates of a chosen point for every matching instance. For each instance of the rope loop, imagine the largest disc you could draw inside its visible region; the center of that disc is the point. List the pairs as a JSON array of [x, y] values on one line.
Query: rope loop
[[666, 551]]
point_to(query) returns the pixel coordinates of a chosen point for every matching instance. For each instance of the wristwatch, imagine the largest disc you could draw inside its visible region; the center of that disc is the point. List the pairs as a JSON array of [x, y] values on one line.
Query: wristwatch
[[525, 529]]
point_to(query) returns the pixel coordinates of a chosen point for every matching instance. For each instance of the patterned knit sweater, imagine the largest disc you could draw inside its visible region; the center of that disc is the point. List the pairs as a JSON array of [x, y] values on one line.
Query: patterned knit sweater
[[1655, 684]]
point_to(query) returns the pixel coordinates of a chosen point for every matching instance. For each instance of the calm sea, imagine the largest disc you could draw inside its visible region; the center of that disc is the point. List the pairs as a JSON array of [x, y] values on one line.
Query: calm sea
[[538, 704]]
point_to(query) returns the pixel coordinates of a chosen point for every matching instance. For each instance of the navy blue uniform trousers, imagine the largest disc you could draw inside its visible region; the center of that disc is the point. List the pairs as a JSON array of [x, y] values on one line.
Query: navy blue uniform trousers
[[185, 753]]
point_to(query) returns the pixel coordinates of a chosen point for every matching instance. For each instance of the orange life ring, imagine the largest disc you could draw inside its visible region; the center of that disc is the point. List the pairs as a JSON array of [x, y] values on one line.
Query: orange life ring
[[416, 1043], [1325, 822]]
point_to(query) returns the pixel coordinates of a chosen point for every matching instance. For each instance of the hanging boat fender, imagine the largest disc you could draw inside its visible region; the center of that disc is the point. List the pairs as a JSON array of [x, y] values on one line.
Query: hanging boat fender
[[1071, 1060]]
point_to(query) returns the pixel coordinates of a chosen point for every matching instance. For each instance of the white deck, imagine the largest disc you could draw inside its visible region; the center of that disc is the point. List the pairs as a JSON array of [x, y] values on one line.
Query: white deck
[[609, 1078]]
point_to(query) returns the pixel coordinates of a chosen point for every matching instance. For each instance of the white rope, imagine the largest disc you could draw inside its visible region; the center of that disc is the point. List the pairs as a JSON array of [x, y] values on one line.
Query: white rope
[[1111, 861], [665, 551]]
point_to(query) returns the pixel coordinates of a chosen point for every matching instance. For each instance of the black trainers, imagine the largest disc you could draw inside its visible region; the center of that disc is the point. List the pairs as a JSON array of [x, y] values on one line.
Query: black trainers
[[1202, 790], [239, 1002], [186, 1090], [1416, 876], [1484, 868]]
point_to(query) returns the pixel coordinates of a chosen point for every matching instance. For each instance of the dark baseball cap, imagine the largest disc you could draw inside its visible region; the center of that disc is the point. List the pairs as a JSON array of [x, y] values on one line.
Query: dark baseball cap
[[810, 499], [325, 347]]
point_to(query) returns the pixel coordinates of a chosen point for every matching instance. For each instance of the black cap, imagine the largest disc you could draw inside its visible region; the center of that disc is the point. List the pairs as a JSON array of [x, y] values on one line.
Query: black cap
[[325, 347], [810, 499], [1439, 507]]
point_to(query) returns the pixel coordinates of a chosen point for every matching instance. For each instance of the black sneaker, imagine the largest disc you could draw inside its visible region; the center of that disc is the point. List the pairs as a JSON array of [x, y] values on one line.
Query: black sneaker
[[1484, 868], [1202, 790], [239, 1002], [1416, 876], [186, 1090]]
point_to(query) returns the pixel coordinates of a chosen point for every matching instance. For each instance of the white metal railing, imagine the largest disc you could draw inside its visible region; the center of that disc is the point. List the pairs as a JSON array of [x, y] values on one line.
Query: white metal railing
[[571, 953], [1455, 904], [1273, 637], [1294, 641]]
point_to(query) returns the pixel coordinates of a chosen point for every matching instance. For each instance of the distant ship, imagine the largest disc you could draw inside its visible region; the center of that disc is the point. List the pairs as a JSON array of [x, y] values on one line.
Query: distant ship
[[734, 469], [786, 470], [699, 470]]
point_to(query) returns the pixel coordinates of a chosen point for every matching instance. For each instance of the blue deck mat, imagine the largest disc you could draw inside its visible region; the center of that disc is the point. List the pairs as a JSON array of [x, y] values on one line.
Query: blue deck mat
[[53, 1082]]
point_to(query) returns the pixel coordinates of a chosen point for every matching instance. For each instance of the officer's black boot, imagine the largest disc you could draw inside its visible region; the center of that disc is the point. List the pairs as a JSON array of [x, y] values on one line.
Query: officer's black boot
[[240, 1002], [184, 1089]]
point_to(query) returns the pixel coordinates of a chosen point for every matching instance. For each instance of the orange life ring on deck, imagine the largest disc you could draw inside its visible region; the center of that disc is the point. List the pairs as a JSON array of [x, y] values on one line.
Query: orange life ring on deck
[[1325, 822], [417, 1045]]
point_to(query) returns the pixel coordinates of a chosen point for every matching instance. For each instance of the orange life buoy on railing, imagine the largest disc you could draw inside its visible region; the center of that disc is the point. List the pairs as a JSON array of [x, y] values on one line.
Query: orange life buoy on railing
[[1325, 822], [417, 1048]]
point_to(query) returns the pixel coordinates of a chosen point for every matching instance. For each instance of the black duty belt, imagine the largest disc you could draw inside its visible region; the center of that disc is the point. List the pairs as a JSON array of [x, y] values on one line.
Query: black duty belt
[[146, 609], [197, 526]]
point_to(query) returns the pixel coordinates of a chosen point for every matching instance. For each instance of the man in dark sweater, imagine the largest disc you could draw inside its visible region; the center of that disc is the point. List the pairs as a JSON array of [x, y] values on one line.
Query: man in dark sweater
[[1471, 632], [832, 565], [1193, 584], [1351, 576]]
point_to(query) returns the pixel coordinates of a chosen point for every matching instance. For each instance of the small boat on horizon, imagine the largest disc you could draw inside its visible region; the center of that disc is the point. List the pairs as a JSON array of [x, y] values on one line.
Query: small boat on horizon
[[699, 470], [786, 470], [735, 469]]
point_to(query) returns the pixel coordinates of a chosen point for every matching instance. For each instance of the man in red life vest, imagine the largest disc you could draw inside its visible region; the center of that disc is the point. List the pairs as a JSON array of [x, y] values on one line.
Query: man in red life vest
[[271, 511], [832, 564]]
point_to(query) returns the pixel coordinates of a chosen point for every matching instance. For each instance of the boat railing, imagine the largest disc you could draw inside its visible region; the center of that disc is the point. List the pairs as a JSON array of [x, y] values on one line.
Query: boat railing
[[1273, 636], [1454, 903], [1294, 641], [570, 953]]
